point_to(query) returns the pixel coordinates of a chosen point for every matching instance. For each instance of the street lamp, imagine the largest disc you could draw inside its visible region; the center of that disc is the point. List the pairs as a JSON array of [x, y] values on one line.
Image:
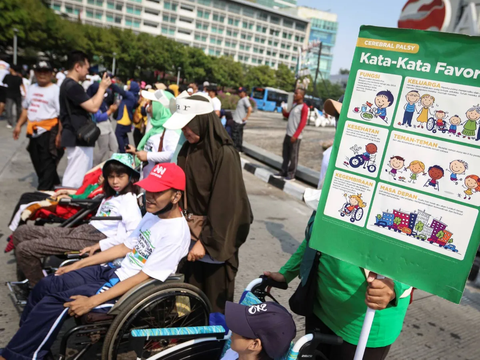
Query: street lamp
[[113, 63], [178, 76], [15, 31]]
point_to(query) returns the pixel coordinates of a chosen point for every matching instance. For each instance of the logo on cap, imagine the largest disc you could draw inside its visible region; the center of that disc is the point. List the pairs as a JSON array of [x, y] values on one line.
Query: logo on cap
[[159, 170], [42, 64], [257, 308]]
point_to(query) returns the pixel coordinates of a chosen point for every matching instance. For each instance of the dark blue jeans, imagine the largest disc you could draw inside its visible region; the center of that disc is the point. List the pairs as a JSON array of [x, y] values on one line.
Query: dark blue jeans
[[121, 132]]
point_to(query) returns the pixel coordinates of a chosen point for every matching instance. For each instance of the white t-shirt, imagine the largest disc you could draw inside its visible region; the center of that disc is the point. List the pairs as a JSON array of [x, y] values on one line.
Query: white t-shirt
[[323, 169], [217, 105], [60, 77], [26, 85], [4, 66], [42, 103], [157, 246], [170, 141], [125, 206]]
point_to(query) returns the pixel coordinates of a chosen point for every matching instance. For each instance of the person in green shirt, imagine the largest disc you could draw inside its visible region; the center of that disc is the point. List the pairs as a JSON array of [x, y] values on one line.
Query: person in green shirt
[[343, 293]]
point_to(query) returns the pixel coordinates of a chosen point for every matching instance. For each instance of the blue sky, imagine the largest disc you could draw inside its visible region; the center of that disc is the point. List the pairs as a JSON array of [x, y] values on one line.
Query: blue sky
[[351, 15]]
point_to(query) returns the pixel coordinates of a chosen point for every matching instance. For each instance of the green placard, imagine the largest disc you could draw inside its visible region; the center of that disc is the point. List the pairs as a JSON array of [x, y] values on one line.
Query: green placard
[[402, 190]]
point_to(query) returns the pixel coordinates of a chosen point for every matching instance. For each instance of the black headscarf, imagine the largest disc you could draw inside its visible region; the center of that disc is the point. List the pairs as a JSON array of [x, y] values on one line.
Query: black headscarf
[[215, 187]]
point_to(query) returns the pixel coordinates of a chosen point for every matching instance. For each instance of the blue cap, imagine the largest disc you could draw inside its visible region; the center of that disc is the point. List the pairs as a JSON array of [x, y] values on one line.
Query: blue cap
[[268, 321], [242, 89]]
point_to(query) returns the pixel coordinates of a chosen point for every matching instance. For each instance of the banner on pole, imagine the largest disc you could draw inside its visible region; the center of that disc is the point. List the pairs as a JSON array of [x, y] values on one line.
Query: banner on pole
[[402, 191]]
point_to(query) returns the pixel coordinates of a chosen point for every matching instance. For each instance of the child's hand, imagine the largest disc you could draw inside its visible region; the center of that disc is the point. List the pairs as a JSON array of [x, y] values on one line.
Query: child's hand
[[90, 249], [79, 306], [67, 269]]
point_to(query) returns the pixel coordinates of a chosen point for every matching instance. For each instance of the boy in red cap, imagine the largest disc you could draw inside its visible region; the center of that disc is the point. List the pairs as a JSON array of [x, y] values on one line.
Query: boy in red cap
[[153, 250]]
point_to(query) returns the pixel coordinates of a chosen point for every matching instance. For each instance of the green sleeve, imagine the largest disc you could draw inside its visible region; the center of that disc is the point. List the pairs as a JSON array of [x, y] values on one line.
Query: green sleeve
[[88, 190], [292, 268], [399, 289]]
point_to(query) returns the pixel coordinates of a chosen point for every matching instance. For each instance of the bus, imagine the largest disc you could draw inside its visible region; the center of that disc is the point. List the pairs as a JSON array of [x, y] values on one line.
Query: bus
[[314, 101], [269, 99]]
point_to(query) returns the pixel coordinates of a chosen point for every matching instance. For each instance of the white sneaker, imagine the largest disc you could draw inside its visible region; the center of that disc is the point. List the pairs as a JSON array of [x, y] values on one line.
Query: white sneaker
[[9, 126]]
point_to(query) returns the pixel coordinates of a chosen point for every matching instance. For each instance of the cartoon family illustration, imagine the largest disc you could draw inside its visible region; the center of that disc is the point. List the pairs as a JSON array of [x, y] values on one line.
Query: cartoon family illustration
[[382, 101], [435, 173], [367, 158], [436, 120], [353, 207]]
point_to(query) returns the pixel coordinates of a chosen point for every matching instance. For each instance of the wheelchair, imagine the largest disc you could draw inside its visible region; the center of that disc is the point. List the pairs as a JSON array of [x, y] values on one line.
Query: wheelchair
[[355, 214], [433, 127], [359, 160], [212, 342]]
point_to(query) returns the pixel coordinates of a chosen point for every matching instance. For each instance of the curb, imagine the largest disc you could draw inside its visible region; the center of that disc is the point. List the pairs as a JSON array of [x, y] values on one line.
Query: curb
[[294, 189]]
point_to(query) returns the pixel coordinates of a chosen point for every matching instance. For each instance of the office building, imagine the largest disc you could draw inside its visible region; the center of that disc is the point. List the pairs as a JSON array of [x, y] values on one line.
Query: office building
[[251, 33], [323, 28], [277, 4]]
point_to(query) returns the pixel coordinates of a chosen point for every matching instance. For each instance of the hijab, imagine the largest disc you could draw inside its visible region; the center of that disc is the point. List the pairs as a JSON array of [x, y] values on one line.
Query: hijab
[[215, 187], [92, 90], [160, 115]]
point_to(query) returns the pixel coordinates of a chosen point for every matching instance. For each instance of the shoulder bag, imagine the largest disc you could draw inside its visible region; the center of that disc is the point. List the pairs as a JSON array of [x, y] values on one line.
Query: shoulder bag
[[303, 299], [88, 133]]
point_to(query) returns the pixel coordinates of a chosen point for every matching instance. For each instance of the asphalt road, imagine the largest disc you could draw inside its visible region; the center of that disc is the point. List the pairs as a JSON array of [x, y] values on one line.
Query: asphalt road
[[434, 328]]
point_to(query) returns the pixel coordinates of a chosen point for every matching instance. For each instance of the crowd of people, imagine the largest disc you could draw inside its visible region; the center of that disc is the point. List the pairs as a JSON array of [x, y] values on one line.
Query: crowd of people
[[185, 159]]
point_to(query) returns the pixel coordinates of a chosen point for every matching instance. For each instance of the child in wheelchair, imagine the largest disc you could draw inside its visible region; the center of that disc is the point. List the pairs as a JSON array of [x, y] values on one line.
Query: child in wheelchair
[[153, 250], [259, 332], [32, 243]]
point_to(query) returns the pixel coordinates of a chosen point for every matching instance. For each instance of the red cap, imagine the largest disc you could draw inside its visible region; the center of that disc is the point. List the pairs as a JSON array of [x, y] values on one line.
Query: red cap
[[163, 177]]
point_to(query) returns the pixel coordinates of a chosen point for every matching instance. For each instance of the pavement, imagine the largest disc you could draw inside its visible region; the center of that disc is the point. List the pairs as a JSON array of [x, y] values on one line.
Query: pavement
[[433, 329]]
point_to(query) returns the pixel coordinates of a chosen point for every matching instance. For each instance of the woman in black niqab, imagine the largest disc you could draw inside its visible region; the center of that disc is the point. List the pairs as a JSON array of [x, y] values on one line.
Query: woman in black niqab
[[215, 189]]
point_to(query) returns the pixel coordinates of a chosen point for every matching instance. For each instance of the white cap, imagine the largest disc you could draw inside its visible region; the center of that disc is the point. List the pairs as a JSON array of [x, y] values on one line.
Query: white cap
[[187, 109], [190, 90], [158, 95], [206, 83]]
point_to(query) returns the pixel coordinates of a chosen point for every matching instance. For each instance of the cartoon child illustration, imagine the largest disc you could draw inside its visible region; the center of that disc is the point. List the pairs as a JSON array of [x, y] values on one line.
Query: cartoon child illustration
[[470, 126], [416, 167], [436, 173], [370, 151], [457, 167], [441, 119], [353, 202], [412, 98], [454, 122], [383, 100], [427, 102], [396, 163], [472, 183]]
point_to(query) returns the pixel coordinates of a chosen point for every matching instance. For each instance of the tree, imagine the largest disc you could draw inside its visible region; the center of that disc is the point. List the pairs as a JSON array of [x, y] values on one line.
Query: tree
[[419, 226], [227, 72], [284, 78], [450, 241], [440, 234], [327, 90], [262, 75], [344, 71], [379, 216], [397, 221]]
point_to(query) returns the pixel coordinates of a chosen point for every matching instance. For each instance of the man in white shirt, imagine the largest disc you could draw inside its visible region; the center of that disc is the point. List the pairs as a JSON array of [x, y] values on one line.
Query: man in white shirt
[[217, 105], [60, 76], [153, 250], [4, 70], [41, 108]]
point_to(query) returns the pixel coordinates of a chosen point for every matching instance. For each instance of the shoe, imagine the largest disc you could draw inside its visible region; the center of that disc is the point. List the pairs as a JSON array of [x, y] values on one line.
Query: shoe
[[288, 178], [10, 245], [9, 126], [277, 176]]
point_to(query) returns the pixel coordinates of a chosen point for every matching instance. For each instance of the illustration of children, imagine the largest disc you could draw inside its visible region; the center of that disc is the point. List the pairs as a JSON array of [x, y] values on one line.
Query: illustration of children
[[416, 167], [396, 163], [441, 119], [412, 98], [457, 167], [472, 184], [454, 122], [370, 151], [383, 100], [470, 126], [427, 102], [352, 203], [436, 173]]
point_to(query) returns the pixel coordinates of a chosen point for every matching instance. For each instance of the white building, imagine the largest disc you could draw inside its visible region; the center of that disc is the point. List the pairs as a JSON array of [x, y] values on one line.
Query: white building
[[253, 34]]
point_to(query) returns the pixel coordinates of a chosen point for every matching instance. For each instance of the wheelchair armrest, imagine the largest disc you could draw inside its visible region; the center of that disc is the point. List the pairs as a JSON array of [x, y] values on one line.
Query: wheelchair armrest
[[103, 218], [142, 286]]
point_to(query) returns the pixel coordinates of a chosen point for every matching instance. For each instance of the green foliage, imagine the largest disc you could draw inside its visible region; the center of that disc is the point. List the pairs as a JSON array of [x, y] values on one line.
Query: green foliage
[[326, 90], [440, 234], [419, 226], [450, 241], [379, 216], [397, 221], [344, 71], [41, 30]]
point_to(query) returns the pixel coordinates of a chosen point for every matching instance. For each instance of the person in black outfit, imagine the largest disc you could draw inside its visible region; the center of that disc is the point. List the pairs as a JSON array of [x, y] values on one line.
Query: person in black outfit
[[14, 83], [75, 109]]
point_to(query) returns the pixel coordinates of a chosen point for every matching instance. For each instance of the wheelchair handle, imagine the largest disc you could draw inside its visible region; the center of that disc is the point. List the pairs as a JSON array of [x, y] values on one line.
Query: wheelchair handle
[[266, 282], [327, 339]]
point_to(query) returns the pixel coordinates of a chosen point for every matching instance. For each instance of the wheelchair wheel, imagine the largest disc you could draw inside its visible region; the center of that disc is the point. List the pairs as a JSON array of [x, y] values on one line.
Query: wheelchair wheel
[[165, 306], [356, 161], [430, 125]]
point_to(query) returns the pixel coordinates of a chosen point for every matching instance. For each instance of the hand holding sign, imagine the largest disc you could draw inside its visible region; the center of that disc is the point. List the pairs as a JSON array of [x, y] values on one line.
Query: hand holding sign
[[379, 292]]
